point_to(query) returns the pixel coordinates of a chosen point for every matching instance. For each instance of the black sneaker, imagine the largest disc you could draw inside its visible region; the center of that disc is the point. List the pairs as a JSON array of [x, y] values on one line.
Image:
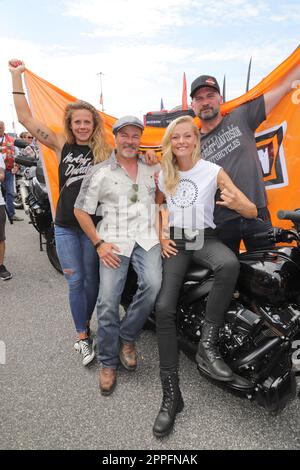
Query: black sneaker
[[4, 274]]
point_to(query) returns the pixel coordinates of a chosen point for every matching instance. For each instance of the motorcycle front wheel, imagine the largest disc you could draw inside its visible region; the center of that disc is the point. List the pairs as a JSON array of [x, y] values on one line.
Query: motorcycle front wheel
[[52, 255], [18, 204]]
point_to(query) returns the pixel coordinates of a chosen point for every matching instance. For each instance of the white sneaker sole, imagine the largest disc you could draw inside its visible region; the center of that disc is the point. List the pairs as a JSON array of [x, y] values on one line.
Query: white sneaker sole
[[6, 278]]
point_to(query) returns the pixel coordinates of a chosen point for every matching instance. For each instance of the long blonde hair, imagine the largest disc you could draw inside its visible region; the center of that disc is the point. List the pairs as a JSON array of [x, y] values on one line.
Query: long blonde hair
[[169, 161], [98, 143]]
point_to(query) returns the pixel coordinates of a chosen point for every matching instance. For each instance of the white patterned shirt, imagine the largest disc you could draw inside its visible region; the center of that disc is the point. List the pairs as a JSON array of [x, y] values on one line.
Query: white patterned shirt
[[127, 208]]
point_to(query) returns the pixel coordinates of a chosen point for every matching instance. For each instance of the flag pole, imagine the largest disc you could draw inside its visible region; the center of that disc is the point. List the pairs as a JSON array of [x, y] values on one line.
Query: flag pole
[[224, 88], [184, 105], [101, 94], [248, 75]]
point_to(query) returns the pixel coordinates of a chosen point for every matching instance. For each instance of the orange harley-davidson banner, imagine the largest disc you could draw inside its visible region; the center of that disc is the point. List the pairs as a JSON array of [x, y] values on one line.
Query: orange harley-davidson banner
[[278, 138]]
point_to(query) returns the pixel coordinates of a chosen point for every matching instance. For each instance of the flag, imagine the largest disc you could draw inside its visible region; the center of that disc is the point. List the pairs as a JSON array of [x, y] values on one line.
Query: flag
[[184, 95], [161, 105], [277, 138], [101, 99]]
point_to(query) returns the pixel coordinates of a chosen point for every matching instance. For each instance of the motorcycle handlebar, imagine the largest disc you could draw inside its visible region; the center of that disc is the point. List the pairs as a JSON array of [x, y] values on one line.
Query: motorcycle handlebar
[[20, 143], [26, 161], [262, 236], [278, 235], [294, 216]]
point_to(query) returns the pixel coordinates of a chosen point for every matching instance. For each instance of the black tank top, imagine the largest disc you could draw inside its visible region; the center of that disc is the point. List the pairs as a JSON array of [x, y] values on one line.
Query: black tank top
[[75, 162]]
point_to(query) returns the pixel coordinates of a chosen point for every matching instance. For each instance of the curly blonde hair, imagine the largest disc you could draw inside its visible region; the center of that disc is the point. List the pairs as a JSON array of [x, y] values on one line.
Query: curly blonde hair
[[98, 143], [169, 161]]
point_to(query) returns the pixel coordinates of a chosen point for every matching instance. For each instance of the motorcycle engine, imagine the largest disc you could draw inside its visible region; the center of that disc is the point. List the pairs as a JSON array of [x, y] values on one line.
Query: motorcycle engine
[[240, 323], [240, 326], [252, 344], [190, 320]]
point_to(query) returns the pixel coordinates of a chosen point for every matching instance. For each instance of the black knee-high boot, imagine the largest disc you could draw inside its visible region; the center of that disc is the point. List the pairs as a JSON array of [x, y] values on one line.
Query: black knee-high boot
[[172, 403], [208, 356]]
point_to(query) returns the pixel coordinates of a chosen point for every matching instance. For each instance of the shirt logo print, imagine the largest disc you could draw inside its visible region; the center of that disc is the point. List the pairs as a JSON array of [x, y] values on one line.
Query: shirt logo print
[[186, 194]]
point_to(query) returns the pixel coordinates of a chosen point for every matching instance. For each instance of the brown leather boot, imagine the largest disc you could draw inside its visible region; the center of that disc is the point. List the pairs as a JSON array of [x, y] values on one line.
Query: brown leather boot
[[128, 356], [107, 380]]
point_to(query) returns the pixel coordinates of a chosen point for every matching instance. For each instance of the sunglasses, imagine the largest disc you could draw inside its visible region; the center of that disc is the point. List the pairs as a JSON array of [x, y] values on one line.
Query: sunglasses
[[133, 193], [29, 137]]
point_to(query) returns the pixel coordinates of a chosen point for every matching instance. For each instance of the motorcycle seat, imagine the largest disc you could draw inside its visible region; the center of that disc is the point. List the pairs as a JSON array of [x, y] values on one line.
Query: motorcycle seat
[[197, 273]]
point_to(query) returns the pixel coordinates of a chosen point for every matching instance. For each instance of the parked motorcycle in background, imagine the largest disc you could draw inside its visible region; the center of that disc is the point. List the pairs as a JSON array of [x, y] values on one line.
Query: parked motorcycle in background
[[21, 181], [18, 199], [36, 203], [262, 324]]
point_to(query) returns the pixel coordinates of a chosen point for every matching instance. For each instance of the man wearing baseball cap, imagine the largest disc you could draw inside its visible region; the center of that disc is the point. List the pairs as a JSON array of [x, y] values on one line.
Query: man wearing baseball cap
[[124, 187], [229, 141]]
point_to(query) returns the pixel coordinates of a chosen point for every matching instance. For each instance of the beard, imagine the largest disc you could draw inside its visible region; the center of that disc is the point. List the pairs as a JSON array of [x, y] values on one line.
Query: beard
[[133, 152], [208, 114], [130, 156]]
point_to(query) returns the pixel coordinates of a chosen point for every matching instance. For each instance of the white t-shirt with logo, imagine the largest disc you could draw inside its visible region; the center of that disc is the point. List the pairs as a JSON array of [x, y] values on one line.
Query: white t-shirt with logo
[[192, 206], [2, 165]]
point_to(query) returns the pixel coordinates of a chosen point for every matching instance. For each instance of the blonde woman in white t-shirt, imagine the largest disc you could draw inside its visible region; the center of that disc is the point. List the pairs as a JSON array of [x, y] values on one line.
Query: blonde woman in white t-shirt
[[187, 234]]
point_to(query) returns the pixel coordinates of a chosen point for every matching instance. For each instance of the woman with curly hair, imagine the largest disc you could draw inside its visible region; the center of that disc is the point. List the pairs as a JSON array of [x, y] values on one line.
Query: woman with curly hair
[[78, 148]]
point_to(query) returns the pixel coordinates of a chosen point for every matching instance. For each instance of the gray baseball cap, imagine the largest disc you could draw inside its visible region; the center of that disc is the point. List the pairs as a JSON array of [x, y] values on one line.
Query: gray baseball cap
[[127, 121]]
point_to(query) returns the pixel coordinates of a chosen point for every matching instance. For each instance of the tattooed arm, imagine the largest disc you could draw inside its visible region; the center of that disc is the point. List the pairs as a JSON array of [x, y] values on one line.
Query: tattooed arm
[[39, 130]]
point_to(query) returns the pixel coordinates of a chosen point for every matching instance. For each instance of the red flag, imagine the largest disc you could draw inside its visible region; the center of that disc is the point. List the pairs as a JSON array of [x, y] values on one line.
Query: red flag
[[184, 95]]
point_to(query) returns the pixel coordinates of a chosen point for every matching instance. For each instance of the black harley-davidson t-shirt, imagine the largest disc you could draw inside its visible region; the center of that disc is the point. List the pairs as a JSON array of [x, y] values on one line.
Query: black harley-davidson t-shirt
[[232, 146], [75, 162]]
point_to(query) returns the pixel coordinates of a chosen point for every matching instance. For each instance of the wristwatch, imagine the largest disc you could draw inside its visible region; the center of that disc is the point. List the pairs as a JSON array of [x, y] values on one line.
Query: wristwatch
[[99, 243]]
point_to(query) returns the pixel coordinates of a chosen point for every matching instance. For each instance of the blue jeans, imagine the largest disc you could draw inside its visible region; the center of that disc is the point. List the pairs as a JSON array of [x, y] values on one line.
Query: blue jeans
[[147, 265], [10, 192], [80, 263]]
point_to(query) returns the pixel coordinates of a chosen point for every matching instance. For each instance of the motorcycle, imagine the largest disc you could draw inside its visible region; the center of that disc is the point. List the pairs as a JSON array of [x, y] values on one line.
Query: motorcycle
[[21, 181], [37, 201], [262, 324], [18, 199]]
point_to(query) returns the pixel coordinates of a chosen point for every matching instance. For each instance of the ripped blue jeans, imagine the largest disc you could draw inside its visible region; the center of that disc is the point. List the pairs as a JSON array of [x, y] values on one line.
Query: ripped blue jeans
[[80, 264]]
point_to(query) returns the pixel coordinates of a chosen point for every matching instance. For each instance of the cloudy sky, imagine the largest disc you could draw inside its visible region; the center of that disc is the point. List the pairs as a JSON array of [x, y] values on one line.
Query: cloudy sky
[[143, 48]]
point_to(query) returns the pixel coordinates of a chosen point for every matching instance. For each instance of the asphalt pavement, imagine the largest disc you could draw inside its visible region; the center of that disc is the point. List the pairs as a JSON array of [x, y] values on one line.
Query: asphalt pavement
[[50, 401]]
